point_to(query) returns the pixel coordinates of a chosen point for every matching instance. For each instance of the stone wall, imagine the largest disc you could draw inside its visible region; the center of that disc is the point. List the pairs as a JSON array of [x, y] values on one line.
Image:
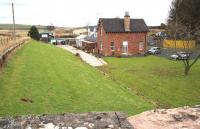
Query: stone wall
[[95, 120]]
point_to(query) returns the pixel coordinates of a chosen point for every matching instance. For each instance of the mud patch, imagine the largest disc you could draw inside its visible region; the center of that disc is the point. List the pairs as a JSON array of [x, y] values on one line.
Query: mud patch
[[26, 100]]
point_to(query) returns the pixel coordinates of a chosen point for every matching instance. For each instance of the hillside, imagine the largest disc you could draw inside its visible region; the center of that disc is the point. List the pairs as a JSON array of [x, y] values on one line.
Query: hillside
[[42, 78], [18, 27]]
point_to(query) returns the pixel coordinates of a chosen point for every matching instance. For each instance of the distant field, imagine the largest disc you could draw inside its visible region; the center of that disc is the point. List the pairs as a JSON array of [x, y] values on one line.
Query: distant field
[[18, 26], [41, 78], [22, 30], [158, 80]]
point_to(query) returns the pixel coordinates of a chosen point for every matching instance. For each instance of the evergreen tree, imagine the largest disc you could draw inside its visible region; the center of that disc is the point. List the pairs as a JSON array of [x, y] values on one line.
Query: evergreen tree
[[33, 33], [185, 13], [162, 26]]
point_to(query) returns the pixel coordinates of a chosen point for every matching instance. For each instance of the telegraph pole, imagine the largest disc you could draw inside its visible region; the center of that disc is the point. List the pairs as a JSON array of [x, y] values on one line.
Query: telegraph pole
[[13, 14]]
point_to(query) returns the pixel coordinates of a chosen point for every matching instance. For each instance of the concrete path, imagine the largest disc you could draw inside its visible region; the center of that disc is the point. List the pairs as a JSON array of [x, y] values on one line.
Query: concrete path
[[88, 58]]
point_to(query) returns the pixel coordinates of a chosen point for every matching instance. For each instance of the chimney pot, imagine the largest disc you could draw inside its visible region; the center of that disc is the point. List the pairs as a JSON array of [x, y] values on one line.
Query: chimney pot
[[127, 14]]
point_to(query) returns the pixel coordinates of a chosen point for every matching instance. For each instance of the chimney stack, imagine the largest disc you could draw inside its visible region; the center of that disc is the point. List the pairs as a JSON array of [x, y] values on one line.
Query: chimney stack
[[127, 21]]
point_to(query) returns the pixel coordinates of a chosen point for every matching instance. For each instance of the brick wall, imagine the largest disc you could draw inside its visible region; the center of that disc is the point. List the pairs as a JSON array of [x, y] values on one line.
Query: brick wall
[[133, 40]]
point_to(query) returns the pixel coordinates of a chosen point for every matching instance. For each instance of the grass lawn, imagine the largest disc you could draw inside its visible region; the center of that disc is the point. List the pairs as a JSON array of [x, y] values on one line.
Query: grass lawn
[[41, 78], [158, 80]]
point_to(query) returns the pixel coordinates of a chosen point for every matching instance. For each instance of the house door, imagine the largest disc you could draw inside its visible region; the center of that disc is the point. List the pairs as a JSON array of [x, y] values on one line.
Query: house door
[[125, 47]]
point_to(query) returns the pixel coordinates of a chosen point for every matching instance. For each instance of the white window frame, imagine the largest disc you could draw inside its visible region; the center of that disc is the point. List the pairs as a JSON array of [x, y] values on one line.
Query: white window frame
[[125, 47]]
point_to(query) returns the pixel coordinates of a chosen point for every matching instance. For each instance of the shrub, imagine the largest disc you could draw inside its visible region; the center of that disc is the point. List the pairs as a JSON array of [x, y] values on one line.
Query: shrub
[[118, 55], [77, 54], [33, 33]]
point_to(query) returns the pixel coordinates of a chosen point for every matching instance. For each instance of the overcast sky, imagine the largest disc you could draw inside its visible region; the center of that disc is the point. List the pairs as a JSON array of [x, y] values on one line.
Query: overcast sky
[[82, 12]]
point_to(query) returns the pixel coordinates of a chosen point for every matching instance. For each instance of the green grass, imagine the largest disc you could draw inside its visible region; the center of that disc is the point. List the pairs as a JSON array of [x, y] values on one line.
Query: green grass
[[57, 81], [158, 80]]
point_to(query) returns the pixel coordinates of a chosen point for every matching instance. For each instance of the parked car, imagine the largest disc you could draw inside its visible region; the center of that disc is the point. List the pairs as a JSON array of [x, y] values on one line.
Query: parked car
[[179, 56], [154, 50], [53, 41]]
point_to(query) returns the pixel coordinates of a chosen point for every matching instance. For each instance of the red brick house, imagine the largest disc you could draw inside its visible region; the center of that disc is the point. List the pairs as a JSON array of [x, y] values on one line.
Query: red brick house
[[121, 36]]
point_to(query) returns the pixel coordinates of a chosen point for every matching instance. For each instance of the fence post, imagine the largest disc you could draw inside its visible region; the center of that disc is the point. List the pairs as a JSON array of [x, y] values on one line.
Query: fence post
[[0, 43], [4, 41]]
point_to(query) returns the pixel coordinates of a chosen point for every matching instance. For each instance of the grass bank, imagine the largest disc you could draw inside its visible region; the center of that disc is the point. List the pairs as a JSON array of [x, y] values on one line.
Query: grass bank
[[41, 78]]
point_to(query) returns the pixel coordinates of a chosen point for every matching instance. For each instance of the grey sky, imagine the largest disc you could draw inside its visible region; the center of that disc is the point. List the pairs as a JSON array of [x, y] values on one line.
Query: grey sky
[[82, 12]]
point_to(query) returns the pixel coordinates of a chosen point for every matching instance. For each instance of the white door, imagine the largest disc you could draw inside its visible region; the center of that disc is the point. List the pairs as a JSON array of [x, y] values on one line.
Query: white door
[[125, 47]]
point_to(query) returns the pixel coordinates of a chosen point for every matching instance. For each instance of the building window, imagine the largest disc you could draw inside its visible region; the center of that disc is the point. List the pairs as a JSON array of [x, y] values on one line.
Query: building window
[[112, 46], [141, 46]]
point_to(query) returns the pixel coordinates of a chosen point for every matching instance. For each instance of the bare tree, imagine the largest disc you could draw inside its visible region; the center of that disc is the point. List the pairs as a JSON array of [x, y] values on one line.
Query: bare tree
[[184, 25], [50, 27], [191, 55]]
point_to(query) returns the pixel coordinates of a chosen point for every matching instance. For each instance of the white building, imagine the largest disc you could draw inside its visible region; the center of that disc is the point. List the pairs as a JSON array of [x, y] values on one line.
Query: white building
[[79, 40], [91, 34]]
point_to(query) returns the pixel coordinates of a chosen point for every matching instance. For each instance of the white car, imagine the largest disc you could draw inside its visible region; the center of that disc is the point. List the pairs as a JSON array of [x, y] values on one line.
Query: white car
[[154, 50], [179, 56]]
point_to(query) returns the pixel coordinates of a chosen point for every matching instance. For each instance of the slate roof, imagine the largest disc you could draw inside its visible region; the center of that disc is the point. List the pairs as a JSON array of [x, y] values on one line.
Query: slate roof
[[92, 28], [117, 25]]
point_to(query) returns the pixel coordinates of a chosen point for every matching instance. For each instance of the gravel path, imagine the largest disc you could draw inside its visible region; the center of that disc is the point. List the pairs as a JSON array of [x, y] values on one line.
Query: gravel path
[[88, 58]]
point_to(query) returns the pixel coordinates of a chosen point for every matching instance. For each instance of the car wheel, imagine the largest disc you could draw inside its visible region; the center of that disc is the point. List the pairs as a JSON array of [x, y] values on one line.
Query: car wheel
[[174, 59]]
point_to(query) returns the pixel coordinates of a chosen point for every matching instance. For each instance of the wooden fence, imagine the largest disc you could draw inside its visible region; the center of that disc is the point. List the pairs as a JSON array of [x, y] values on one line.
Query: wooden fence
[[179, 44], [8, 44]]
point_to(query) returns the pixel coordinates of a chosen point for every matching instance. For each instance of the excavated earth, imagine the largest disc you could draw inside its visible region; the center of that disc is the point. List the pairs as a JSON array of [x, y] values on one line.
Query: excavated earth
[[177, 118]]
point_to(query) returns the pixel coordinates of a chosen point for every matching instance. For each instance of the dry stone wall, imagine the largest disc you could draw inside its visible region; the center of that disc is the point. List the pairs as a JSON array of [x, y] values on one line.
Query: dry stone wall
[[94, 120]]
